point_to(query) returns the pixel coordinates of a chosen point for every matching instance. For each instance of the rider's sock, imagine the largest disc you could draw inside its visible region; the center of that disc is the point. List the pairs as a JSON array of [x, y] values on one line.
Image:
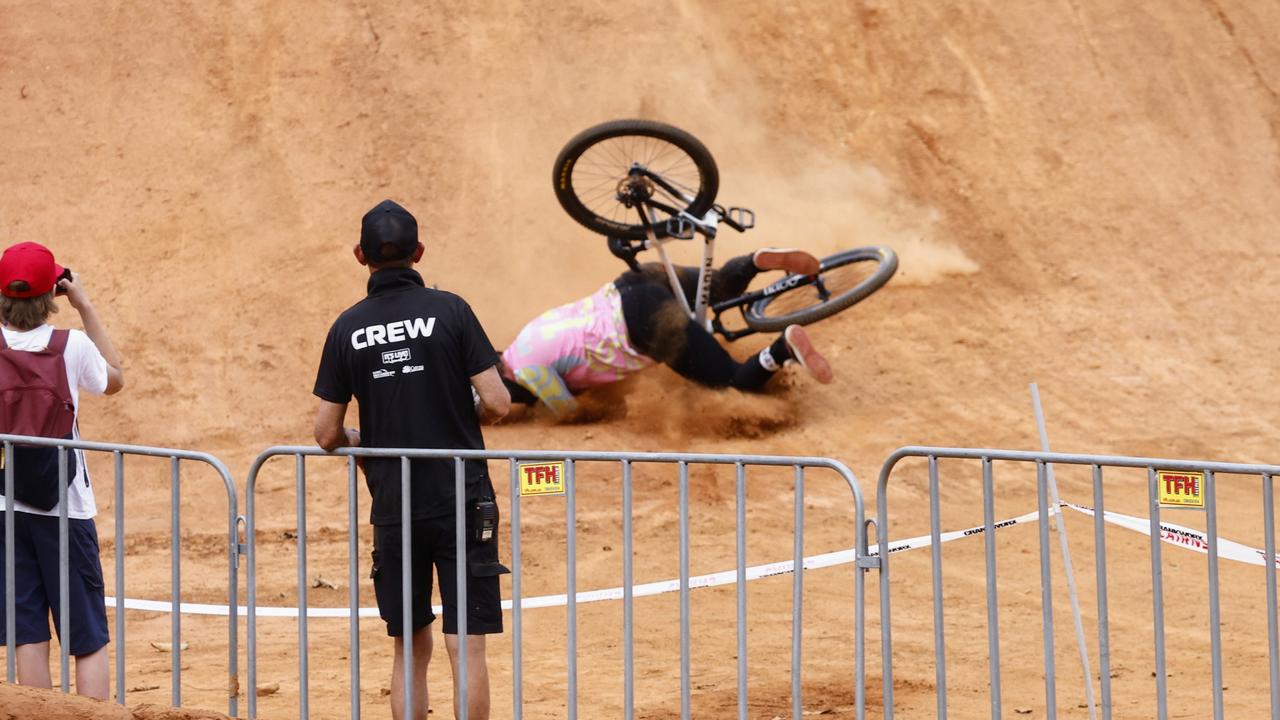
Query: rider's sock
[[752, 374], [772, 357]]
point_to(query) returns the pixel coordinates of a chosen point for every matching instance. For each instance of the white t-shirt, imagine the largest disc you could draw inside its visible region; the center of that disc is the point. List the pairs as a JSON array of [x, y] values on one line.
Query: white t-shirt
[[86, 369]]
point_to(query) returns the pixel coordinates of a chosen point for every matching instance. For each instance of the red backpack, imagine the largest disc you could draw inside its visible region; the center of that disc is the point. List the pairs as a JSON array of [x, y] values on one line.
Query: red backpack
[[35, 400]]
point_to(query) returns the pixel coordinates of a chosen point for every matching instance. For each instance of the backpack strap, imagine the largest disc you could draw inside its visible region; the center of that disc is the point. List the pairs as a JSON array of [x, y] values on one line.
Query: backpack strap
[[58, 346], [58, 341]]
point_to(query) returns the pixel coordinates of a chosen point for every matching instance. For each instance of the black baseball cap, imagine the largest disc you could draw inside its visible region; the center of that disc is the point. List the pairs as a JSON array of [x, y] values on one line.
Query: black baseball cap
[[388, 232]]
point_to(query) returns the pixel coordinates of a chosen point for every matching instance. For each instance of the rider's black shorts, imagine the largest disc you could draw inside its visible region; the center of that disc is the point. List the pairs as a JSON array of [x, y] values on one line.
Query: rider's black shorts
[[433, 545]]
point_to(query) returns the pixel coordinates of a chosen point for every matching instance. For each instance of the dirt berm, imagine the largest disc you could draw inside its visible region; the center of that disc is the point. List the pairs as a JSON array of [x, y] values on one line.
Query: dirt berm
[[1084, 194]]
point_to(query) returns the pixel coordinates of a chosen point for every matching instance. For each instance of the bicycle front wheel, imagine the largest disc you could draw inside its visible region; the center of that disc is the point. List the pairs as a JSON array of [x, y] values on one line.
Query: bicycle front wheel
[[608, 174], [843, 280]]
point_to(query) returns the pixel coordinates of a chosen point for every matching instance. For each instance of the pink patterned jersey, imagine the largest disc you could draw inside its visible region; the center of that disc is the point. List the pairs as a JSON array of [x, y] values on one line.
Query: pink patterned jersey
[[573, 347]]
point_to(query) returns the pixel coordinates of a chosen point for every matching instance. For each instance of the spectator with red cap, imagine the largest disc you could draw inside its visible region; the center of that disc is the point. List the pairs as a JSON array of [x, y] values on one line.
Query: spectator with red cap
[[30, 279]]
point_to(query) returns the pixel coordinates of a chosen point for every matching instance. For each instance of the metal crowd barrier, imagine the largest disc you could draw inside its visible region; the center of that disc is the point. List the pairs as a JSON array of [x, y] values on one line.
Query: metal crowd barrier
[[625, 461], [118, 451], [1043, 461]]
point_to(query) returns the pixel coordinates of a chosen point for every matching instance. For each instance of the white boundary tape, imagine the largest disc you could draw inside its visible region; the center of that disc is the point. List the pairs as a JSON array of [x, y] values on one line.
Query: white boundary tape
[[1173, 534], [1184, 537]]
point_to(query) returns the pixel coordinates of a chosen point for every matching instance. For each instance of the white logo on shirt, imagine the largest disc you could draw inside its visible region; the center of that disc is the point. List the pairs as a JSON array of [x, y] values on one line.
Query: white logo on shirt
[[392, 332], [377, 374], [396, 356], [411, 369]]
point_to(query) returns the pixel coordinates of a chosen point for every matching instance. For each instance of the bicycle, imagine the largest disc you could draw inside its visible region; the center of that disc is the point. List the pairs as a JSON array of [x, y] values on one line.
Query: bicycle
[[642, 183]]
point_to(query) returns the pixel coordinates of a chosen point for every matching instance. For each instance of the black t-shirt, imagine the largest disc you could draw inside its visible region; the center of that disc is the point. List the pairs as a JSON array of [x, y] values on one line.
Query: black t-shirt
[[407, 354]]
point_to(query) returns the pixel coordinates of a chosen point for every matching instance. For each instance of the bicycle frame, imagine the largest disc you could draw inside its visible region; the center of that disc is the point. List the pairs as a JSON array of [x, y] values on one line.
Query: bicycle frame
[[686, 225], [707, 227], [787, 283]]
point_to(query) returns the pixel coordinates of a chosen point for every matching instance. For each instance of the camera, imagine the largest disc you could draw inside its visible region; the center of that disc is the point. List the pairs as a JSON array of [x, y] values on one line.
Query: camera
[[58, 289]]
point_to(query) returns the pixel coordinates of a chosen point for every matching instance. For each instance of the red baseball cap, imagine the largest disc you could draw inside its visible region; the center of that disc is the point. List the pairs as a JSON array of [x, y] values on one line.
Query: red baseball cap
[[32, 263]]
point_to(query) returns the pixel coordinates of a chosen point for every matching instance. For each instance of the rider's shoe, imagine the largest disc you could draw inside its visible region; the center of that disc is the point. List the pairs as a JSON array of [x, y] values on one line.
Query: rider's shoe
[[789, 259], [803, 352]]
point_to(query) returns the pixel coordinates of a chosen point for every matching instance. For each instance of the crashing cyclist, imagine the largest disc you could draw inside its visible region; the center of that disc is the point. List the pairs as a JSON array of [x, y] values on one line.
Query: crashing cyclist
[[636, 321]]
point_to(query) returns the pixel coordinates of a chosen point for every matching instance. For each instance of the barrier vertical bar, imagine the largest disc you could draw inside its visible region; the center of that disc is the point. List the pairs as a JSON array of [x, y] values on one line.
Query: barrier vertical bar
[[886, 626], [1157, 595], [406, 587], [684, 592], [251, 591], [64, 573], [797, 598], [1046, 593], [935, 553], [353, 581], [860, 612], [119, 535], [233, 602], [993, 605], [1273, 633], [517, 611], [1100, 563], [571, 604], [1215, 609], [628, 599], [10, 572], [175, 625], [740, 581], [304, 684], [460, 578]]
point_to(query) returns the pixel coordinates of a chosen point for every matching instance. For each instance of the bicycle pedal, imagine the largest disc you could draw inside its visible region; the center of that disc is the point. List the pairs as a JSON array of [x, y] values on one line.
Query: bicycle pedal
[[679, 228], [743, 217]]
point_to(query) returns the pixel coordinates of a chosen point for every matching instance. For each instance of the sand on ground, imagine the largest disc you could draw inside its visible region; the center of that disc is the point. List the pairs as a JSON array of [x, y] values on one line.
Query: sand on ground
[[1083, 195]]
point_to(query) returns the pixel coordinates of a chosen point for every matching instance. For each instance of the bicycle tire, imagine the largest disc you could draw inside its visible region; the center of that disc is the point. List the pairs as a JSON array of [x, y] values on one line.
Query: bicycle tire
[[808, 306], [588, 190]]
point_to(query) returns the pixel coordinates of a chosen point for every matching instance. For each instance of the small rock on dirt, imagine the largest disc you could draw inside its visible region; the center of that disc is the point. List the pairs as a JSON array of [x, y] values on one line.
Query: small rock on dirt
[[168, 647], [265, 689]]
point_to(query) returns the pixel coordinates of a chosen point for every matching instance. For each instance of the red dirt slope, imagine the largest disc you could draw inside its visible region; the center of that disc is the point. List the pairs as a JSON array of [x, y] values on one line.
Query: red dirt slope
[[1083, 194]]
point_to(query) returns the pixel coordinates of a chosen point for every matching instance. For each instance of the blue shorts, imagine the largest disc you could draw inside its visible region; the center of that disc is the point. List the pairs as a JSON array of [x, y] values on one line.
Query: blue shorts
[[35, 554]]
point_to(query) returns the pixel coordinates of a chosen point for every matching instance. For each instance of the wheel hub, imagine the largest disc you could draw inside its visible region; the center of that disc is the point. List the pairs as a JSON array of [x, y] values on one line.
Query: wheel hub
[[634, 189]]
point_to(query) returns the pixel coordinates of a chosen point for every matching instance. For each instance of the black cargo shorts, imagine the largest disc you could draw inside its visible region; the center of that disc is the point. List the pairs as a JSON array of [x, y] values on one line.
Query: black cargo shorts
[[433, 545]]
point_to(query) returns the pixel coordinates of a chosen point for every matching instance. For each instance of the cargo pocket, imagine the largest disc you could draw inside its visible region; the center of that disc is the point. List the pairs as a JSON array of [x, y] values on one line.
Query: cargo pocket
[[482, 560], [84, 555], [487, 569], [484, 597], [92, 577]]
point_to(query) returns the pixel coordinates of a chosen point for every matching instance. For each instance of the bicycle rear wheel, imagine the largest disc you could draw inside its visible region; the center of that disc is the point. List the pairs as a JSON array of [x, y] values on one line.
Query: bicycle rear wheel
[[844, 279], [607, 173]]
